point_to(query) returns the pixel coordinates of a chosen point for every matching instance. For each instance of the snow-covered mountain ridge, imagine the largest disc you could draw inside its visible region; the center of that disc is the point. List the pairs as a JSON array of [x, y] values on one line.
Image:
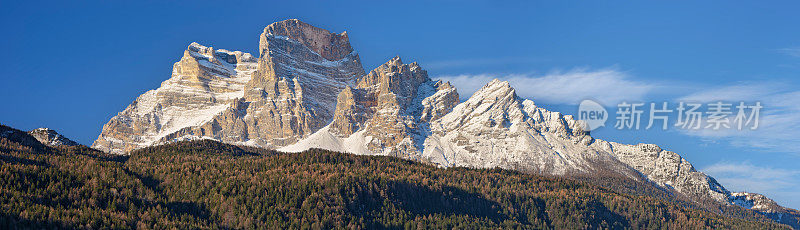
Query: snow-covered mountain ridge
[[497, 128], [307, 89]]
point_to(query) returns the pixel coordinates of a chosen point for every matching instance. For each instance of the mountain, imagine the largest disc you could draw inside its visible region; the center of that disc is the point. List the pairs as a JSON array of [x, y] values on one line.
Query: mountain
[[204, 83], [493, 128], [20, 137], [287, 93], [207, 184], [38, 138], [307, 89], [386, 113]]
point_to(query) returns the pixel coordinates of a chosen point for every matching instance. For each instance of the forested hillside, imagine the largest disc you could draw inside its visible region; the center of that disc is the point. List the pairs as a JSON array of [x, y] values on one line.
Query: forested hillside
[[207, 184]]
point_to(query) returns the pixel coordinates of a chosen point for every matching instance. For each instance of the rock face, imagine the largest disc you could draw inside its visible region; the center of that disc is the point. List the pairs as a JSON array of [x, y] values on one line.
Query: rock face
[[301, 71], [287, 93], [388, 112], [392, 104], [51, 138]]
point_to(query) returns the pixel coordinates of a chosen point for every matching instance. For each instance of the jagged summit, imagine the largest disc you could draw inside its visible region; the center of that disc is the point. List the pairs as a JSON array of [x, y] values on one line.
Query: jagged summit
[[196, 50], [394, 61], [496, 128], [329, 45], [386, 113], [497, 83]]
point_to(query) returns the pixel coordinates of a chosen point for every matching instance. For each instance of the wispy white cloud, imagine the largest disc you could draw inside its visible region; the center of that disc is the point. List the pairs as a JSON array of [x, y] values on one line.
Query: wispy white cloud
[[608, 86], [778, 184], [779, 121], [794, 51]]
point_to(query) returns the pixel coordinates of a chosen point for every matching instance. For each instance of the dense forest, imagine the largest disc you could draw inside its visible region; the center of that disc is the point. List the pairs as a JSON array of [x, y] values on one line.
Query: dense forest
[[207, 184]]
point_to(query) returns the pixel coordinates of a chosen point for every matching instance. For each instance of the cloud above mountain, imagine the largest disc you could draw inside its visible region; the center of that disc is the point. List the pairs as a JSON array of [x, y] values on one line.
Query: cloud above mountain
[[779, 121], [608, 86]]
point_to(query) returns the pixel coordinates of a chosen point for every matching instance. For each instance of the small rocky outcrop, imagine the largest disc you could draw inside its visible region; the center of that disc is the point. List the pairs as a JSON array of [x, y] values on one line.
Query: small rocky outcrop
[[51, 138]]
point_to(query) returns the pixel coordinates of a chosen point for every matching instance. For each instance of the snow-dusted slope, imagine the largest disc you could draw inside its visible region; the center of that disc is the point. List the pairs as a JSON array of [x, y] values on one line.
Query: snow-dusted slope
[[325, 139], [767, 206], [495, 128], [755, 201]]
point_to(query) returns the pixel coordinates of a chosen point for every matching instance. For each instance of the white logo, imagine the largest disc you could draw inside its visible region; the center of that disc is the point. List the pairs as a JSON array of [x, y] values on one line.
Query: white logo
[[592, 115]]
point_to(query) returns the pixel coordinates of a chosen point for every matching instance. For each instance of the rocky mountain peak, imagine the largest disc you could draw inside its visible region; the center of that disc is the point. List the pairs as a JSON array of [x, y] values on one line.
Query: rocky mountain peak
[[293, 93], [395, 61], [203, 83], [391, 88], [386, 113], [196, 48], [51, 138], [201, 52], [329, 45], [395, 82], [497, 83], [496, 90]]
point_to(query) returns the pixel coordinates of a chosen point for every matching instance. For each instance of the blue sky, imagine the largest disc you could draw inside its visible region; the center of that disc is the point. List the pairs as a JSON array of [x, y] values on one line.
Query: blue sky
[[72, 66]]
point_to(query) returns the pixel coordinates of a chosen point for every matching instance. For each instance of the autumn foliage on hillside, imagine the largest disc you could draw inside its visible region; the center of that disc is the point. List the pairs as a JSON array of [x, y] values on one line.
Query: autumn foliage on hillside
[[207, 184]]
